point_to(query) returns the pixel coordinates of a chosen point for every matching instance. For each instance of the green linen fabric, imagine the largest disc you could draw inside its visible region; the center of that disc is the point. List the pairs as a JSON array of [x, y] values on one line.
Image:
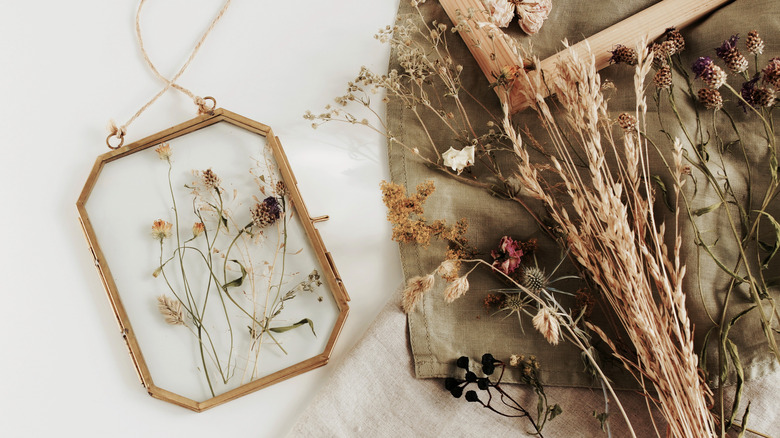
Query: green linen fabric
[[440, 332]]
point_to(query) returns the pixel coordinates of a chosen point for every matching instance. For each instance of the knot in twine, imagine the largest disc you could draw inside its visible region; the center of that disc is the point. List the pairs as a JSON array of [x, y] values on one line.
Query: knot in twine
[[205, 105]]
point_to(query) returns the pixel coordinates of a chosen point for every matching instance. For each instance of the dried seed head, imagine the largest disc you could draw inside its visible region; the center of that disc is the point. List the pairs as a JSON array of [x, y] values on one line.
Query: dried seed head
[[663, 77], [161, 230], [675, 37], [448, 269], [754, 43], [266, 213], [710, 98], [170, 309], [711, 74], [547, 324], [456, 289], [414, 291], [763, 97], [210, 179], [669, 48], [624, 55], [627, 122], [281, 189]]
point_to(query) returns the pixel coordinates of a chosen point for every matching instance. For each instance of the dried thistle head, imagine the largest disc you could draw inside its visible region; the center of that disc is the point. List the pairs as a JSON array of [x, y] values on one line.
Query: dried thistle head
[[663, 78], [711, 74], [627, 122], [161, 230], [675, 37], [171, 310], [623, 55], [730, 54], [772, 72], [416, 287], [534, 279]]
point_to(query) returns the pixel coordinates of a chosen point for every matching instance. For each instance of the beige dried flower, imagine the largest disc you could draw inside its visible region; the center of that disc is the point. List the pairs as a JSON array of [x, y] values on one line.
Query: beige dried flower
[[161, 230], [547, 324], [164, 151], [754, 43], [448, 269], [281, 189], [515, 359], [210, 179], [456, 289], [198, 228], [501, 11], [170, 309], [415, 289]]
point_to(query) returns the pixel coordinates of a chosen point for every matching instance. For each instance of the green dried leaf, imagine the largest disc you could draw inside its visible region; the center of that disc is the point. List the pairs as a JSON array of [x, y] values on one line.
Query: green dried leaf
[[662, 186], [555, 410], [602, 417], [294, 326], [703, 353], [705, 210], [238, 281], [734, 354], [774, 223], [224, 222], [745, 416], [724, 336]]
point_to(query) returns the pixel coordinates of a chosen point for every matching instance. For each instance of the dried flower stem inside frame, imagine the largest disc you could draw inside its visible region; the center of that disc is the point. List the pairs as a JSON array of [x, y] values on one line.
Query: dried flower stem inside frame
[[216, 270]]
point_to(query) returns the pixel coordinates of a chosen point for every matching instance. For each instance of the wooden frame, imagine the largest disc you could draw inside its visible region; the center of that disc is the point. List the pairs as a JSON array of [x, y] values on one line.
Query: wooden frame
[[649, 23], [330, 274]]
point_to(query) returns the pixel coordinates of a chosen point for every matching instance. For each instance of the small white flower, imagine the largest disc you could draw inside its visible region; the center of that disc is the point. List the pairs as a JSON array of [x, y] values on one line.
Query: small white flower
[[458, 160], [501, 11]]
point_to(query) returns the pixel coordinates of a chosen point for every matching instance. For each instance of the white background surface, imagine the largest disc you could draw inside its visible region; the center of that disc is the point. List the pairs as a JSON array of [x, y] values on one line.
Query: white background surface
[[67, 68]]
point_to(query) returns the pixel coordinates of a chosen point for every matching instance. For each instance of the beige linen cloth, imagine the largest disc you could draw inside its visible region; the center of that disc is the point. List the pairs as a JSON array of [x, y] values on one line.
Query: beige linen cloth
[[374, 392]]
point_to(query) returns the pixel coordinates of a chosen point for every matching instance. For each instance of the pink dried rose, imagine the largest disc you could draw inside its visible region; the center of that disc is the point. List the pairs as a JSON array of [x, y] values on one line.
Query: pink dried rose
[[501, 11], [507, 258], [532, 14]]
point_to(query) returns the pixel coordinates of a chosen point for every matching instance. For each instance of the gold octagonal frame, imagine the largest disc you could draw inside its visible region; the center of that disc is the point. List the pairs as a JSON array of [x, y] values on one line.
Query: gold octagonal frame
[[330, 275]]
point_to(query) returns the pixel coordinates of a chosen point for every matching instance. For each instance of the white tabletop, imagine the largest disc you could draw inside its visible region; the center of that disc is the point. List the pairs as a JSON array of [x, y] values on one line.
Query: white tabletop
[[67, 68]]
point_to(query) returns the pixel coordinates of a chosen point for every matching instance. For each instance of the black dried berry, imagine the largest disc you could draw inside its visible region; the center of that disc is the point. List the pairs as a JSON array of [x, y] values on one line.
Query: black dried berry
[[472, 396], [463, 362], [483, 383], [456, 391], [471, 377], [450, 383]]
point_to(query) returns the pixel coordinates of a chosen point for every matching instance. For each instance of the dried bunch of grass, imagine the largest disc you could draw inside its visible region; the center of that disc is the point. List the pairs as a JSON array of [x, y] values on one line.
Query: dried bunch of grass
[[604, 209]]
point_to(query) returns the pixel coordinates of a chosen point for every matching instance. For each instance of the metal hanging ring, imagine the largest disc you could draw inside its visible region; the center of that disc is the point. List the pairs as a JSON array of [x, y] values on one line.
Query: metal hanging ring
[[108, 141]]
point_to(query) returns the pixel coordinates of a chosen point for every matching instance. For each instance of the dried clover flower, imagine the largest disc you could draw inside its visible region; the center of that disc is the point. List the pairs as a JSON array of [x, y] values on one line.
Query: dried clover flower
[[456, 289], [501, 11], [210, 179], [729, 53], [198, 228], [161, 230], [414, 291], [164, 151], [458, 160], [711, 74], [266, 213], [547, 324], [710, 98], [623, 55], [772, 72], [663, 77], [170, 309], [754, 43], [675, 38], [627, 122]]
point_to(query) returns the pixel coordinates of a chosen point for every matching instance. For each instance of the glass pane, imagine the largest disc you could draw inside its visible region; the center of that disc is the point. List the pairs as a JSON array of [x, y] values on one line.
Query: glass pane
[[243, 293]]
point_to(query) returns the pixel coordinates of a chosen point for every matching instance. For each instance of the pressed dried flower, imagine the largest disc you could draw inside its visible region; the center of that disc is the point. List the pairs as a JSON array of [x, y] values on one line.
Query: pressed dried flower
[[501, 11], [532, 14], [547, 324], [728, 52], [161, 230], [675, 37], [281, 189], [416, 287], [755, 95], [772, 72], [171, 310], [663, 77], [710, 98], [754, 43], [508, 256], [627, 122], [448, 269], [164, 151], [198, 228], [266, 213], [210, 179], [458, 160], [456, 289], [623, 55]]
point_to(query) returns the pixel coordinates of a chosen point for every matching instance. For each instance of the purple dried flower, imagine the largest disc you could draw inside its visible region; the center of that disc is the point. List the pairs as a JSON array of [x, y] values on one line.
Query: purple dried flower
[[729, 53], [748, 92], [727, 46], [266, 212], [507, 258], [701, 64], [710, 73]]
